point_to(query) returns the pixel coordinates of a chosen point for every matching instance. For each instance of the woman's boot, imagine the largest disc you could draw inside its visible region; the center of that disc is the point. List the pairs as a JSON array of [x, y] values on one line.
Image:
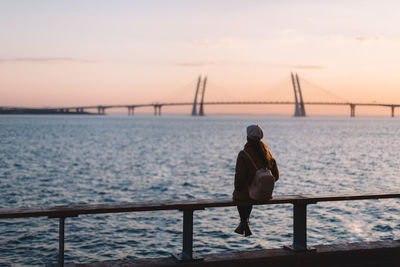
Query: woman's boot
[[240, 229], [247, 230]]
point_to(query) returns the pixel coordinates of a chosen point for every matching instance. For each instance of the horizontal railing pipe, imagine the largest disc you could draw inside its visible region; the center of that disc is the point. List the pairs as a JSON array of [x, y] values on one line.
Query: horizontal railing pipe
[[299, 202]]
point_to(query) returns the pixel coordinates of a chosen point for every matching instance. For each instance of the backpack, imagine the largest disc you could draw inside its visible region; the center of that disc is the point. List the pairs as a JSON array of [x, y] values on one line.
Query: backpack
[[263, 183]]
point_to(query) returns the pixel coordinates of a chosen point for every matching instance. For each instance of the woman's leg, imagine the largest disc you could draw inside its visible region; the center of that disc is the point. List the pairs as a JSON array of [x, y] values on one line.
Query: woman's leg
[[247, 230], [249, 208], [244, 212]]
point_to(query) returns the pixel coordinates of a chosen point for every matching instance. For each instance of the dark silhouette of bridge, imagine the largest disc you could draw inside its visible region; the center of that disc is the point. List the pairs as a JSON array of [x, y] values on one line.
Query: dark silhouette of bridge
[[298, 103]]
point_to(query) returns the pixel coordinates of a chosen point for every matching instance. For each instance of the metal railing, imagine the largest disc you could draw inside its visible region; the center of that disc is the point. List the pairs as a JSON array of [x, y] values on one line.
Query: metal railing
[[299, 203]]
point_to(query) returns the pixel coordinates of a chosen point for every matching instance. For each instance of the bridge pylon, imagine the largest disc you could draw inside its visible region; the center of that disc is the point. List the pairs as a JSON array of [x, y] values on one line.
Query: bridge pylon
[[201, 109], [302, 109], [194, 109], [299, 110], [201, 112]]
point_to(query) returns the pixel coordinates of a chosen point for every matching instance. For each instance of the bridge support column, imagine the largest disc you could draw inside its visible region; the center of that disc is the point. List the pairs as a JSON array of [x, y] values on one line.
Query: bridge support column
[[352, 110], [101, 110], [157, 110], [392, 111], [131, 111]]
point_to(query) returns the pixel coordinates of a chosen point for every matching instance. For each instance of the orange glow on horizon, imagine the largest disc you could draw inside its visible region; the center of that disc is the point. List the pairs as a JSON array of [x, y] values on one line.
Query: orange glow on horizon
[[131, 57]]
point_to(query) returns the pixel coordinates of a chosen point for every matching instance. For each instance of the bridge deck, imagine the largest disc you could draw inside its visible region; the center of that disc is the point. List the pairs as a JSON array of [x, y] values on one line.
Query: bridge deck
[[217, 103]]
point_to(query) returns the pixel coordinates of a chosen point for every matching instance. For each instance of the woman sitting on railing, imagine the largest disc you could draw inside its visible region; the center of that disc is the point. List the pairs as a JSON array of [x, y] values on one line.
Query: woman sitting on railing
[[253, 157]]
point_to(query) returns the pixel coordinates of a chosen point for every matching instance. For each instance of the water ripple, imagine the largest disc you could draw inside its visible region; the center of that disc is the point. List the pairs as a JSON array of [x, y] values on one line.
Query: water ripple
[[51, 160]]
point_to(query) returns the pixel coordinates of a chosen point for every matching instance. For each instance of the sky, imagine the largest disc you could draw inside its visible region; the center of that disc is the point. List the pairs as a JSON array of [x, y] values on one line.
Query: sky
[[71, 53]]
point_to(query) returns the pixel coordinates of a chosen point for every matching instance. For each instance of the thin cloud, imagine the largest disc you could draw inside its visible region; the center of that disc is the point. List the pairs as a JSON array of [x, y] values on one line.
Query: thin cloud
[[248, 63], [310, 67], [46, 60], [196, 64], [215, 42], [366, 39]]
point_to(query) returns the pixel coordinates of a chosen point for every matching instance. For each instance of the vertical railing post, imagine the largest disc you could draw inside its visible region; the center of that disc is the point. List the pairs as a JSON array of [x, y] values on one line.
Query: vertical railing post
[[187, 238], [61, 242], [187, 242], [300, 227]]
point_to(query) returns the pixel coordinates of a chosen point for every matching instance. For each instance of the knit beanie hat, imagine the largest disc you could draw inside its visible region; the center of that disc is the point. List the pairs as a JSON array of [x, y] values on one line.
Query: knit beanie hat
[[255, 132]]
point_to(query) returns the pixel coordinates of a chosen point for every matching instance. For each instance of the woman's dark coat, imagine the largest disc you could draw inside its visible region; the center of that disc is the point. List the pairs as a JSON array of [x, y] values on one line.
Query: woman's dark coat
[[245, 170]]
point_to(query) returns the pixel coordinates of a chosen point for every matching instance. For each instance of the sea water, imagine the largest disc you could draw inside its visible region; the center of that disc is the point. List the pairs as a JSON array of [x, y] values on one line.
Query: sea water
[[54, 160]]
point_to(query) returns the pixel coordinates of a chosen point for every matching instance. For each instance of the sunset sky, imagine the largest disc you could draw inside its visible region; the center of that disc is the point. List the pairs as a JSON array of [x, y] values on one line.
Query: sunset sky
[[69, 53]]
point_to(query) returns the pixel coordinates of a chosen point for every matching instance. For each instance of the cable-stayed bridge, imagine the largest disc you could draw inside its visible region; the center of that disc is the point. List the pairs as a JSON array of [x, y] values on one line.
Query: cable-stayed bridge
[[199, 103]]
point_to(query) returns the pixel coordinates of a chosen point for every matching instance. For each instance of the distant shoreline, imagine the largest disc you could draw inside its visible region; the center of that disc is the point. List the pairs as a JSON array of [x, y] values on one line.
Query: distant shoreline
[[42, 112]]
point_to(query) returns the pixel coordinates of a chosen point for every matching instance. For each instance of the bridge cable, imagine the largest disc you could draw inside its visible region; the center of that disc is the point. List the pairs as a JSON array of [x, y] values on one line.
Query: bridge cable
[[187, 89], [277, 88], [212, 86], [324, 90], [260, 94]]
